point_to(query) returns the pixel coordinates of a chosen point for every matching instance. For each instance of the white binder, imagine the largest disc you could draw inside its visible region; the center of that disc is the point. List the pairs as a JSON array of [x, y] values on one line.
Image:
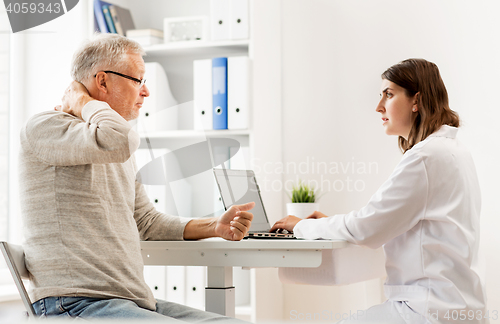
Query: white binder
[[238, 92], [195, 287], [142, 158], [157, 113], [155, 278], [176, 284], [157, 194], [181, 193], [172, 198], [177, 192], [219, 19], [202, 93], [239, 20]]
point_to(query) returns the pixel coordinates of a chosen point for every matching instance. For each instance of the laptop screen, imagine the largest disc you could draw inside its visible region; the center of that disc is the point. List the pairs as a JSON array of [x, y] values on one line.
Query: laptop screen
[[240, 187]]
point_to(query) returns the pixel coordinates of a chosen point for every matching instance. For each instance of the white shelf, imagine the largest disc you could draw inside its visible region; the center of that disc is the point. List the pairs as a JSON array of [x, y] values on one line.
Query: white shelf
[[197, 47], [187, 134], [180, 138]]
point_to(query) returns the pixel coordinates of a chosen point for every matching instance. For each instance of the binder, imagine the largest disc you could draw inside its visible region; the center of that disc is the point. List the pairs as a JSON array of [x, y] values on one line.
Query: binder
[[109, 19], [180, 190], [195, 287], [99, 15], [176, 284], [159, 111], [239, 19], [238, 92], [202, 93], [155, 278], [158, 195], [122, 19], [219, 19], [219, 92], [144, 156], [162, 199], [146, 122], [96, 25]]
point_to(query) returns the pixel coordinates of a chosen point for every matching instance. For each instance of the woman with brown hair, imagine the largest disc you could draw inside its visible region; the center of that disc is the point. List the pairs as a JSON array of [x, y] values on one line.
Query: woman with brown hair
[[426, 215]]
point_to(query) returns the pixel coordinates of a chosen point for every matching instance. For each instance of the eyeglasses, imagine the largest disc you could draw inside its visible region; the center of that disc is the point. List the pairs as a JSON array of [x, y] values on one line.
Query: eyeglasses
[[138, 81]]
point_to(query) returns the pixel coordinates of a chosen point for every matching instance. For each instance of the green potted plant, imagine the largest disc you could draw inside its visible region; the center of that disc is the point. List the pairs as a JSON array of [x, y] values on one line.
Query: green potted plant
[[304, 200]]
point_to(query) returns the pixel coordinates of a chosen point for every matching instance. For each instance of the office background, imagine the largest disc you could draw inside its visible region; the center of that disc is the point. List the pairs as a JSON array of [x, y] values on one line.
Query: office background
[[327, 57]]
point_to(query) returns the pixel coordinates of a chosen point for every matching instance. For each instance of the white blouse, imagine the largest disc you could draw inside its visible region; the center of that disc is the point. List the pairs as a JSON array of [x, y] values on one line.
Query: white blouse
[[426, 217]]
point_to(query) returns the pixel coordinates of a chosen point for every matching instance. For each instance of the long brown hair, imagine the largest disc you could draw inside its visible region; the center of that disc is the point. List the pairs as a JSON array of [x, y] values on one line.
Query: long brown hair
[[423, 77]]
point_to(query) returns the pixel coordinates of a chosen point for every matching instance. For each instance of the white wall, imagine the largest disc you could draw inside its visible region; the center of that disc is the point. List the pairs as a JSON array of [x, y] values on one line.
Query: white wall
[[48, 52], [333, 54]]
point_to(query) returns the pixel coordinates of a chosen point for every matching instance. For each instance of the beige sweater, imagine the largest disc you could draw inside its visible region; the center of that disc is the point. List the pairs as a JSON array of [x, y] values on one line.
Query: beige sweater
[[83, 210]]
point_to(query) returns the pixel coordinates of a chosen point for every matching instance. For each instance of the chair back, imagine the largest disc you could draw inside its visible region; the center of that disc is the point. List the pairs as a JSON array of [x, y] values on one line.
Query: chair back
[[14, 257]]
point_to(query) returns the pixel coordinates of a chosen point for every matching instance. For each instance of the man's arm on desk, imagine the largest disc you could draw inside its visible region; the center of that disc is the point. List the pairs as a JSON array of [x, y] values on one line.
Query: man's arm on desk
[[233, 225]]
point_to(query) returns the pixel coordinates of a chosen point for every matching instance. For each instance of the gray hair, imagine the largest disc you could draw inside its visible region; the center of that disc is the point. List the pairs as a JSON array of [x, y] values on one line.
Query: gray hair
[[102, 52]]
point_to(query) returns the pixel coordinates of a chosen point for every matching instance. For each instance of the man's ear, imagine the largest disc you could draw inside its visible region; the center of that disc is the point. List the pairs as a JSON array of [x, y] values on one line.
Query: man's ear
[[101, 82]]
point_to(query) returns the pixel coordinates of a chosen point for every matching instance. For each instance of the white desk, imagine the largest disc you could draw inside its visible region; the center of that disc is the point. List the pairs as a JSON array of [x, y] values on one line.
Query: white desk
[[219, 256]]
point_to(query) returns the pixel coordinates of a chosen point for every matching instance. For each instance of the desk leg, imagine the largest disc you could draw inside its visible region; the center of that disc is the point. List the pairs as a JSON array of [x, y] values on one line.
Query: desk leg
[[219, 293]]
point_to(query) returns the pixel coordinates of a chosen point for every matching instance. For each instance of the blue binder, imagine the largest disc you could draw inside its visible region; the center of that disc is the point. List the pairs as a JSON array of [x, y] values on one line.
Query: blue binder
[[219, 92], [109, 19], [99, 16]]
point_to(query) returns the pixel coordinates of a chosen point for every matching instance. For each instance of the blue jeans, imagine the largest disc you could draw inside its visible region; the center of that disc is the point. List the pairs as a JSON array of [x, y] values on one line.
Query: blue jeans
[[95, 308]]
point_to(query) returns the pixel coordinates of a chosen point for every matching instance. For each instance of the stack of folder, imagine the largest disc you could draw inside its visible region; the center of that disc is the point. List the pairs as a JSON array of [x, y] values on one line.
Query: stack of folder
[[221, 91], [109, 18]]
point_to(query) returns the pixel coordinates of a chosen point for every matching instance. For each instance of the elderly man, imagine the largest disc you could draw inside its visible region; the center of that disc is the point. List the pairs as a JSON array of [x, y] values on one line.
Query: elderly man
[[83, 210]]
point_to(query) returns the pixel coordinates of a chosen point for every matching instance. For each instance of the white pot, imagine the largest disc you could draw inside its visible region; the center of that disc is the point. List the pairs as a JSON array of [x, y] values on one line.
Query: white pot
[[301, 210]]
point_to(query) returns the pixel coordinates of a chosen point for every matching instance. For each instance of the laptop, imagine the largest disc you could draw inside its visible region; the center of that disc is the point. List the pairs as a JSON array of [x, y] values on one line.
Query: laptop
[[238, 187]]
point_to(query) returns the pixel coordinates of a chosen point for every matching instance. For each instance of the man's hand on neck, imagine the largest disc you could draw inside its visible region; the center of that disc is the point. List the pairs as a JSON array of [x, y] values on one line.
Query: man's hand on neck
[[75, 98]]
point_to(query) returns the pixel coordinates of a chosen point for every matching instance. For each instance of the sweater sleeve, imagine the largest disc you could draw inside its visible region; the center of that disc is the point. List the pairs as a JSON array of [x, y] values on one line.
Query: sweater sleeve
[[60, 139], [397, 206], [154, 225]]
